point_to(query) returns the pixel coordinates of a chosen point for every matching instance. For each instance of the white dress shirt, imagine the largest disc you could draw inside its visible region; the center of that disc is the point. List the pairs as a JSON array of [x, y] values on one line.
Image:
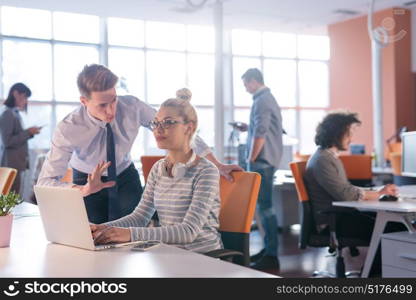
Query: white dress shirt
[[80, 140]]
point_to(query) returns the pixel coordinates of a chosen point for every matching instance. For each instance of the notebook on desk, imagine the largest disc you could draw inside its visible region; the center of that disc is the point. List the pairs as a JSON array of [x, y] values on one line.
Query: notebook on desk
[[65, 219]]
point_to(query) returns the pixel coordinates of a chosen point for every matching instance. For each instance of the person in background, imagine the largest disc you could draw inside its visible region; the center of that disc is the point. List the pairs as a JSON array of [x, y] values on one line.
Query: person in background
[[183, 188], [102, 129], [326, 182], [264, 149], [14, 149]]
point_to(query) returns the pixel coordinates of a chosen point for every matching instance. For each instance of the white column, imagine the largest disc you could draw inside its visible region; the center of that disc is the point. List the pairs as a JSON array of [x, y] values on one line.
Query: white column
[[377, 102], [219, 77]]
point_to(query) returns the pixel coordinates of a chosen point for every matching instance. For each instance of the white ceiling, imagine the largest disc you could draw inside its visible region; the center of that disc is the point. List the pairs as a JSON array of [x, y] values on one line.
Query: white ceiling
[[301, 16]]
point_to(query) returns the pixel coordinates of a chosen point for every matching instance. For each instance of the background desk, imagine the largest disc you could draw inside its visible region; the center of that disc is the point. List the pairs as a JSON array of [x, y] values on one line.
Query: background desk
[[400, 211], [286, 199], [31, 255]]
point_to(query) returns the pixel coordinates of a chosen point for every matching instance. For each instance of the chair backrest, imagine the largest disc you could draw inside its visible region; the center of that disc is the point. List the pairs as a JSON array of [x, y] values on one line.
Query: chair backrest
[[396, 163], [357, 167], [308, 226], [238, 201], [7, 177], [393, 148], [301, 157], [147, 163], [238, 204], [67, 177], [298, 170]]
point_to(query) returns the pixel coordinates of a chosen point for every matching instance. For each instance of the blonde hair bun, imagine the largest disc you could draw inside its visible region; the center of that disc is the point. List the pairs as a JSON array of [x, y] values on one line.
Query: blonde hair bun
[[184, 94]]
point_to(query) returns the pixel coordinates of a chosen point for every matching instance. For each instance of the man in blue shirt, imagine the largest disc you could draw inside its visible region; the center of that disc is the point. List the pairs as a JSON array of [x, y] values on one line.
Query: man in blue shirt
[[103, 129], [264, 149]]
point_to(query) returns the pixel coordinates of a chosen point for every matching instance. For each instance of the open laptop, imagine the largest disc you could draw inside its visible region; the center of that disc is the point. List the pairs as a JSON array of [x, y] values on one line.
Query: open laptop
[[65, 218]]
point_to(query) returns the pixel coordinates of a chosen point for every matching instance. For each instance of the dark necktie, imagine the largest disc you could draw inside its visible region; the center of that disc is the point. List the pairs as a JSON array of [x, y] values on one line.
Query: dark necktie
[[113, 204]]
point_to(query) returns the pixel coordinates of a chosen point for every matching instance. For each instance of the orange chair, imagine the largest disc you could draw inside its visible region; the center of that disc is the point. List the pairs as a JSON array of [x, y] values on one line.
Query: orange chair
[[357, 167], [147, 163], [238, 204], [301, 157], [309, 236], [67, 177], [393, 148], [396, 163], [7, 177]]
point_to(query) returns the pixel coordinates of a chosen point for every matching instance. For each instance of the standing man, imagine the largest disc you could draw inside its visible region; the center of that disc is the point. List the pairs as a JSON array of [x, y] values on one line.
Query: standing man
[[264, 148], [102, 130]]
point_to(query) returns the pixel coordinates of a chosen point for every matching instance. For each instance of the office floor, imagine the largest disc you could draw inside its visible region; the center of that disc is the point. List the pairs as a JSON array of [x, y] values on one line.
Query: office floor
[[298, 263]]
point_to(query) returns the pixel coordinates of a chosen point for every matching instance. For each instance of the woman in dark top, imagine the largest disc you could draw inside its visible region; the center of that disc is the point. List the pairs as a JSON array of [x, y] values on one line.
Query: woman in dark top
[[14, 152]]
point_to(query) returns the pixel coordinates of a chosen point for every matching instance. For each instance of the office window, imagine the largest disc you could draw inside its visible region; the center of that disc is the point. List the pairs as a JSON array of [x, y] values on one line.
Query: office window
[[289, 122], [280, 77], [69, 61], [295, 67], [201, 78], [28, 62], [76, 27], [39, 115], [313, 47], [279, 44], [138, 148], [125, 32], [240, 66], [165, 75], [206, 125], [313, 84], [25, 22], [62, 110], [242, 115], [128, 65], [309, 120], [246, 42], [150, 144], [167, 36], [201, 39]]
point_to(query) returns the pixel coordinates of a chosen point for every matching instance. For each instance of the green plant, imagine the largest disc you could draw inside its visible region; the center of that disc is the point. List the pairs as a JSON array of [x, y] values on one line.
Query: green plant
[[7, 202]]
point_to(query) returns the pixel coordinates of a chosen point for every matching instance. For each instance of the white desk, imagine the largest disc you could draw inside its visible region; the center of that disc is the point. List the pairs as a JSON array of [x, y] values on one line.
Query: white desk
[[381, 171], [401, 211], [31, 255]]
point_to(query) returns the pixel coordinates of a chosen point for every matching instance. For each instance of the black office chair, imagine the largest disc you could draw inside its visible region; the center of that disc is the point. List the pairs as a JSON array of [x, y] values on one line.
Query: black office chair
[[310, 237]]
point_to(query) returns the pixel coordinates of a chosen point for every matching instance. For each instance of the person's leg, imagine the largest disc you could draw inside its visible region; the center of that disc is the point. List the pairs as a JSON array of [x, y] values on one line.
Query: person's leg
[[361, 225], [268, 219], [129, 190], [96, 204], [267, 212], [356, 225]]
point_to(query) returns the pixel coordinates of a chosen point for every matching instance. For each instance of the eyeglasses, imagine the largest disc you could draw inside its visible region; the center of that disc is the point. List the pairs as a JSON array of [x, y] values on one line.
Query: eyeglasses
[[165, 124]]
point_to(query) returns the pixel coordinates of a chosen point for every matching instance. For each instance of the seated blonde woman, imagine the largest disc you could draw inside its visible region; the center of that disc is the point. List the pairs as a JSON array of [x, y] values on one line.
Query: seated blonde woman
[[182, 188]]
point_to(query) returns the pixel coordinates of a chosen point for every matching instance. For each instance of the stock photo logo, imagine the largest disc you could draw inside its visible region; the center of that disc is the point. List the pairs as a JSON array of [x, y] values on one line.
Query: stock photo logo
[[388, 24], [11, 290]]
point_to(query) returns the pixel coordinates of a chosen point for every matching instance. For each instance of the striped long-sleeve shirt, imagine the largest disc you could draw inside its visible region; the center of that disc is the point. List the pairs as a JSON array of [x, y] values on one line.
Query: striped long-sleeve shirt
[[188, 208]]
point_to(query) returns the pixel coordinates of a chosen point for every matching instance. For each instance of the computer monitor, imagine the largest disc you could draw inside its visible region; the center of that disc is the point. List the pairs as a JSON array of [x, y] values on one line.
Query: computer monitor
[[357, 149], [409, 154]]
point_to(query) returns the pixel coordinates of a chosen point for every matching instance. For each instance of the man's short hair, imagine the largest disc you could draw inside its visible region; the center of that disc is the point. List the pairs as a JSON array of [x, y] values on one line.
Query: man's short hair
[[333, 128], [253, 73], [95, 78]]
